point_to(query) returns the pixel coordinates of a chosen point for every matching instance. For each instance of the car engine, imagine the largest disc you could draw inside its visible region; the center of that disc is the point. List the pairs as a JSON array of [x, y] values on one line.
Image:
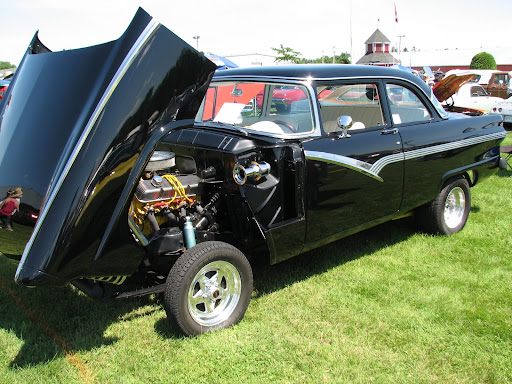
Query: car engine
[[166, 202]]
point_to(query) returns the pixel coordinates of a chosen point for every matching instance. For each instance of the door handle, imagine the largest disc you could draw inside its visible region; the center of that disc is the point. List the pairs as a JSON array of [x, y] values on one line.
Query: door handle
[[392, 131]]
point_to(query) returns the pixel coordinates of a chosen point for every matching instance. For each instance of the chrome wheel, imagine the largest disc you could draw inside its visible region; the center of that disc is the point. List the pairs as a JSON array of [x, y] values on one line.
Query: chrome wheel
[[208, 288], [214, 293], [455, 207], [448, 212]]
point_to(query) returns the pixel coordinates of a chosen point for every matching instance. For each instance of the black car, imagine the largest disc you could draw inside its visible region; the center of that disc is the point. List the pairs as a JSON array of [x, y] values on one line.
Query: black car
[[155, 166]]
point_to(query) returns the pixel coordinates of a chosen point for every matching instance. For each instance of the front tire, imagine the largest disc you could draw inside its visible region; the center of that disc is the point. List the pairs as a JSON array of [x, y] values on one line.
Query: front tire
[[208, 288], [448, 212]]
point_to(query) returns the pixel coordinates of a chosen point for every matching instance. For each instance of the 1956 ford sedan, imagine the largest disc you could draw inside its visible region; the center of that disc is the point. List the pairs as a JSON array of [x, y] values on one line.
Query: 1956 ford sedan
[[141, 158]]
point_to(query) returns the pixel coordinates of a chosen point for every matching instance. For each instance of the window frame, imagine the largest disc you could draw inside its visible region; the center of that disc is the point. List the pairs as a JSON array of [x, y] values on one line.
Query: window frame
[[270, 85], [434, 115], [360, 81]]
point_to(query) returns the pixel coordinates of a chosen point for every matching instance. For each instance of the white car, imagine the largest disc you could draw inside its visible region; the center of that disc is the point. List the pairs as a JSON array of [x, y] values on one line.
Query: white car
[[472, 96], [503, 108], [482, 76]]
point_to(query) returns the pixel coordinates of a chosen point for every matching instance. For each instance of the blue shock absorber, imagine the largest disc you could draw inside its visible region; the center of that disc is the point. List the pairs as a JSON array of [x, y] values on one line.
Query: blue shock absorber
[[190, 235]]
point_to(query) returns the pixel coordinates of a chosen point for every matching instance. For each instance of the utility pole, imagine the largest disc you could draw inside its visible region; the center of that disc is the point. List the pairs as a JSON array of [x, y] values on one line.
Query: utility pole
[[196, 38], [351, 50], [399, 47]]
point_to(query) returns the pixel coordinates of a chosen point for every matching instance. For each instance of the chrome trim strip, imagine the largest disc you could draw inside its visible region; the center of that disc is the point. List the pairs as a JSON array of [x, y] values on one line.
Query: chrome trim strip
[[415, 153], [386, 160], [344, 161], [275, 217], [373, 170], [123, 68]]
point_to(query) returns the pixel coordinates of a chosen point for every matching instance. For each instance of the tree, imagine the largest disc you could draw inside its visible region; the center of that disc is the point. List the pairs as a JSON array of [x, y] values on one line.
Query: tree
[[483, 60], [287, 55], [6, 65], [343, 58]]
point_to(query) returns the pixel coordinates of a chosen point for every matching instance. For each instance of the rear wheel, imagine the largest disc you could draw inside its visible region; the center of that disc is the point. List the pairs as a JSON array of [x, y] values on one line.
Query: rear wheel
[[448, 212], [208, 288]]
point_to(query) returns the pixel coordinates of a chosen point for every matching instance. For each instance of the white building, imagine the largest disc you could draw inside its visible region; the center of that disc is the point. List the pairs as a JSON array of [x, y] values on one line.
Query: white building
[[252, 59]]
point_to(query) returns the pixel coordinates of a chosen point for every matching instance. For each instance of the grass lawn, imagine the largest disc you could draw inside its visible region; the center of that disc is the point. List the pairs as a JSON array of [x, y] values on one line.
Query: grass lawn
[[388, 305]]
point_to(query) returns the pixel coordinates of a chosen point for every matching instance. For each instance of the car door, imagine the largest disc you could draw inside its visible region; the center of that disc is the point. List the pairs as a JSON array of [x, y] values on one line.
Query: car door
[[354, 174], [498, 85]]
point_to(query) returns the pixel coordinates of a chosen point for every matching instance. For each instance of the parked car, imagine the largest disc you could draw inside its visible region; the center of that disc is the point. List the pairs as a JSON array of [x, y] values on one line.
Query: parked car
[[494, 82], [481, 76], [26, 215], [140, 172], [459, 94], [498, 84], [4, 84], [504, 108]]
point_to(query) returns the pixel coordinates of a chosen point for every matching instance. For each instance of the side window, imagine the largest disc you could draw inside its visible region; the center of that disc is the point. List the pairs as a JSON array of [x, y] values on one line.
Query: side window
[[477, 91], [405, 106], [361, 102], [500, 79]]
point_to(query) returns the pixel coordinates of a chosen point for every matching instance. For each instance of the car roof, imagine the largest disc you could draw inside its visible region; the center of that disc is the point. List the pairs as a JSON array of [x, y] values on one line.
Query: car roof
[[320, 71]]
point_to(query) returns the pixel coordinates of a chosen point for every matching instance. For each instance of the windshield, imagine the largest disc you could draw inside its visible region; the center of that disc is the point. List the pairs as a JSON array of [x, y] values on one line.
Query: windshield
[[268, 108], [438, 106]]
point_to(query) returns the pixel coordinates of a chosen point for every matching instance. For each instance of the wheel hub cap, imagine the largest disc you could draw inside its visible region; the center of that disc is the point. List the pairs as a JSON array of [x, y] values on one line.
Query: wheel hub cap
[[454, 208], [214, 293]]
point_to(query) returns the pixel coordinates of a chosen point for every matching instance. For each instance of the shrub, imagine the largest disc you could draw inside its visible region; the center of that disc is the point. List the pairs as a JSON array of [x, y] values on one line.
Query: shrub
[[483, 60]]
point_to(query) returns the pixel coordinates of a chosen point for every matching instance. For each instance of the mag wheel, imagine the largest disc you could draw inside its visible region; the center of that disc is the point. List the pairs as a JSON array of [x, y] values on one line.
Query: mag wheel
[[208, 288], [448, 212]]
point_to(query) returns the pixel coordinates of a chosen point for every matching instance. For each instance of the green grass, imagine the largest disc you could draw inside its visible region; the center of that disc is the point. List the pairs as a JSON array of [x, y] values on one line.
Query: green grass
[[388, 305]]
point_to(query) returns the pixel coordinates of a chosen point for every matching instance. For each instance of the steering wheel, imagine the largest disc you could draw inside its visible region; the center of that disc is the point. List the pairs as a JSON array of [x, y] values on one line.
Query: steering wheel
[[285, 124]]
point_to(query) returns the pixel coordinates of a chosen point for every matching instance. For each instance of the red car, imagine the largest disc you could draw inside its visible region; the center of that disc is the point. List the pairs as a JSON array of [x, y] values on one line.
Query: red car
[[283, 96], [4, 84]]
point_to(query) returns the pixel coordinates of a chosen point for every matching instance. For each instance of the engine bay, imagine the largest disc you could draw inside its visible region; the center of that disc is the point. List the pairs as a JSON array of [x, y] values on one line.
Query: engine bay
[[165, 200]]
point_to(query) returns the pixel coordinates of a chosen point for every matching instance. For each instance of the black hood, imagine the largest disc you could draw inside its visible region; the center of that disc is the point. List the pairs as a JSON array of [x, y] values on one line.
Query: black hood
[[76, 130]]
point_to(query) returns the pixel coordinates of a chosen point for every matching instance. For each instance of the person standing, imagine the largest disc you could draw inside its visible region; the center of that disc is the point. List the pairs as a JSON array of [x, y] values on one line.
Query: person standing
[[9, 206]]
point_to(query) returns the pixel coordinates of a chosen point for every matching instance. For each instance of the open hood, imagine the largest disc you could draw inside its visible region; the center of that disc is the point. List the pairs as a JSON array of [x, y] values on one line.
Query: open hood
[[449, 85], [76, 130]]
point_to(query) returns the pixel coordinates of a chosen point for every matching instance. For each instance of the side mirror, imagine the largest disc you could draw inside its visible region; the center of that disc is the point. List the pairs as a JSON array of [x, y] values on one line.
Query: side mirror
[[344, 124]]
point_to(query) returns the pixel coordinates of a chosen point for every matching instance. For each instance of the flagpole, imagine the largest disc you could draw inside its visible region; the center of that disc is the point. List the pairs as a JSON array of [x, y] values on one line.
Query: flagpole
[[395, 34], [351, 50]]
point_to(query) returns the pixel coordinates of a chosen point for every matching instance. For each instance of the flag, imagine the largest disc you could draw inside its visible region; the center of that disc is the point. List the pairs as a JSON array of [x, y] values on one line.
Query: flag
[[396, 15]]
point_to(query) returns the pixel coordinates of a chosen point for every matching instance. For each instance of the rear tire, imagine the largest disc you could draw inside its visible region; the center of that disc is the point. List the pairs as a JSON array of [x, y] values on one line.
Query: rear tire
[[208, 288], [448, 212]]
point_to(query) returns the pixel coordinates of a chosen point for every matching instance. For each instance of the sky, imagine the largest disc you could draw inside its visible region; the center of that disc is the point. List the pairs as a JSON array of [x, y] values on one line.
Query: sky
[[235, 27]]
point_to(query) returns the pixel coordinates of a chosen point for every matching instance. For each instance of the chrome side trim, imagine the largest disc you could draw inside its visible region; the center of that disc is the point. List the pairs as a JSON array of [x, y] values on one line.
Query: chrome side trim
[[453, 145], [373, 170], [386, 160], [123, 68], [344, 161]]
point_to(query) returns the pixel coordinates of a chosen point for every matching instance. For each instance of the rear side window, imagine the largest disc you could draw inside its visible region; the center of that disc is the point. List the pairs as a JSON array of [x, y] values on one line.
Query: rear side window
[[405, 106], [360, 102]]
